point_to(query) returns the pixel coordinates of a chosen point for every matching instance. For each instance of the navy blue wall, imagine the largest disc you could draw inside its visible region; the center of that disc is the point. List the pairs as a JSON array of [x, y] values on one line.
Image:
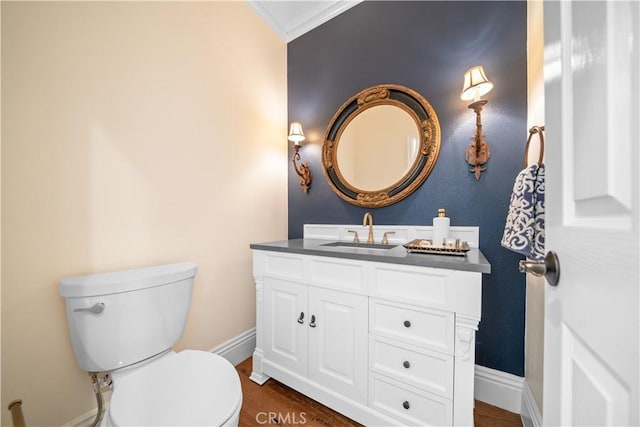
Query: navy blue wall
[[427, 46]]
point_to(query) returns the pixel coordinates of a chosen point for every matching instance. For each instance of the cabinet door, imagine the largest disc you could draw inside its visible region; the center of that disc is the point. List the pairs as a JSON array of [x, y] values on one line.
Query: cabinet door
[[338, 342], [285, 324]]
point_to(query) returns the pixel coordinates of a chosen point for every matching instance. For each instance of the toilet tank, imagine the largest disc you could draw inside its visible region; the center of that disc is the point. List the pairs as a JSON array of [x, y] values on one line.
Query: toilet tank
[[122, 317]]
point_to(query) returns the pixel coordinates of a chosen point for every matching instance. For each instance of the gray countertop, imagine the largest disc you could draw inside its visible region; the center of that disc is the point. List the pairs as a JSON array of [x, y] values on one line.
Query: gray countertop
[[473, 261]]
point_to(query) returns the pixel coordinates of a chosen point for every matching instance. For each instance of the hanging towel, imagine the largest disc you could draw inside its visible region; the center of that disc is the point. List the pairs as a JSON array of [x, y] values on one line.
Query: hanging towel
[[524, 229]]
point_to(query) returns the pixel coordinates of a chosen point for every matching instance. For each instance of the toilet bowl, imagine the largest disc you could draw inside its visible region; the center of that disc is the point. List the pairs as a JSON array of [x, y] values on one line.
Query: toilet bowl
[[190, 388], [125, 322]]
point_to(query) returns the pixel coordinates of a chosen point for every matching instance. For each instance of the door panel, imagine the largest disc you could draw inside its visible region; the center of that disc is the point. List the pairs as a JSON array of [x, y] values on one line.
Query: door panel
[[285, 340], [338, 342], [596, 396], [601, 131]]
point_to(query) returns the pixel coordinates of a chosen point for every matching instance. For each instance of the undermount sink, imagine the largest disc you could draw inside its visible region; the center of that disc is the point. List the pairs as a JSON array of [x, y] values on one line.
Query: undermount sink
[[353, 245]]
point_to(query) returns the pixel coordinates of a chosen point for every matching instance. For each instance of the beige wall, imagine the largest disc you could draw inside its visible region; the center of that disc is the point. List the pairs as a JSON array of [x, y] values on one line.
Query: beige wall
[[534, 327], [133, 134]]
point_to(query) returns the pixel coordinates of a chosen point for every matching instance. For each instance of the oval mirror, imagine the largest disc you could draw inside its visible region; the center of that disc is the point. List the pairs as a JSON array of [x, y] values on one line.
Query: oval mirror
[[380, 146]]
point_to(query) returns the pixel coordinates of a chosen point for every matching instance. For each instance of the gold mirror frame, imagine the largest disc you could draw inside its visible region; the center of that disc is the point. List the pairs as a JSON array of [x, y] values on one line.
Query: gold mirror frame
[[428, 130]]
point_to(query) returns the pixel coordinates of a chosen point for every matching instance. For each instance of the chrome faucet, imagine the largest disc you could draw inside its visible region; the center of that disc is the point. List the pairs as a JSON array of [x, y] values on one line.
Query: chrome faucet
[[368, 218]]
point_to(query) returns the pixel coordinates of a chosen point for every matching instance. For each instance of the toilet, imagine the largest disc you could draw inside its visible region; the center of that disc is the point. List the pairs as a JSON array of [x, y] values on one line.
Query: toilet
[[125, 323]]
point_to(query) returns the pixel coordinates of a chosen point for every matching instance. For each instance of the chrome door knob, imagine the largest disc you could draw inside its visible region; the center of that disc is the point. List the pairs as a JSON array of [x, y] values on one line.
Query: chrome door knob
[[549, 268]]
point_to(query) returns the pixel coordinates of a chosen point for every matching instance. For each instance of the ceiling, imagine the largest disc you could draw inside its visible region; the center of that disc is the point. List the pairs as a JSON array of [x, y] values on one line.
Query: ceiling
[[291, 19]]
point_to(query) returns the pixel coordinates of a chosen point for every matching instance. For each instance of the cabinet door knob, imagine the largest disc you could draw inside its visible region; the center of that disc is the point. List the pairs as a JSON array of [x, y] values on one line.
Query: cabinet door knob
[[407, 324], [406, 364], [406, 404], [312, 324], [301, 318]]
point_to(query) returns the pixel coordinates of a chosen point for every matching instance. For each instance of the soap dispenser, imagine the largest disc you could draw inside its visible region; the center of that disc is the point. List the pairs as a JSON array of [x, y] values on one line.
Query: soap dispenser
[[440, 228]]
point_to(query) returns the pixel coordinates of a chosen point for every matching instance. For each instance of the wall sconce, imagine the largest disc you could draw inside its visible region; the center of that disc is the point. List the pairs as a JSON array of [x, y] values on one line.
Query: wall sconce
[[475, 85], [297, 136]]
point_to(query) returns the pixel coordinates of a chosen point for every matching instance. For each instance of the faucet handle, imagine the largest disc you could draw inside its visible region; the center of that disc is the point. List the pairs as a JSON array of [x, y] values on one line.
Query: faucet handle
[[355, 236], [385, 241]]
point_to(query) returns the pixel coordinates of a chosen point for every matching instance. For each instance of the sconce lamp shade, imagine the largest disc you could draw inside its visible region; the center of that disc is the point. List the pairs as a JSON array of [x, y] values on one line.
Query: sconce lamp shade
[[295, 133], [476, 84]]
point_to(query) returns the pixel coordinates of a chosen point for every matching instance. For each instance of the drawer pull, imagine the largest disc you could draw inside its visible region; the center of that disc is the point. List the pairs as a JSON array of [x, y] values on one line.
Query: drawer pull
[[406, 405], [312, 324], [406, 364], [407, 324], [301, 318]]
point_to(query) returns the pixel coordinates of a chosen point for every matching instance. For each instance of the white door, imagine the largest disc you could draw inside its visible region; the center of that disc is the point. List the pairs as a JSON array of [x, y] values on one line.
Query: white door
[[338, 332], [285, 329], [592, 93]]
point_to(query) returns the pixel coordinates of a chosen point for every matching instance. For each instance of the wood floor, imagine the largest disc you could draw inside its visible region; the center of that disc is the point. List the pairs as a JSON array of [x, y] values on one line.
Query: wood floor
[[262, 405]]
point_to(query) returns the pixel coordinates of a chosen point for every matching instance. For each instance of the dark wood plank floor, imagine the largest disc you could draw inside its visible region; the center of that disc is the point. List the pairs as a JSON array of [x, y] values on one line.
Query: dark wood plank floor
[[262, 404]]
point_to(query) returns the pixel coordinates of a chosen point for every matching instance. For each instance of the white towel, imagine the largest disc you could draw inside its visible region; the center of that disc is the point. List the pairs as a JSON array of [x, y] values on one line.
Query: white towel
[[524, 229]]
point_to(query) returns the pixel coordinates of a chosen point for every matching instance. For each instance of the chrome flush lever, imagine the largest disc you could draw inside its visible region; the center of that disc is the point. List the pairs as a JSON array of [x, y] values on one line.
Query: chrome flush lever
[[97, 308], [549, 268]]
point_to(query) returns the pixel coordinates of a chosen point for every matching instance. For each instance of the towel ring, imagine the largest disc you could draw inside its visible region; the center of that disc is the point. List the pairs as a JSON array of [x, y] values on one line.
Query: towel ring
[[540, 131]]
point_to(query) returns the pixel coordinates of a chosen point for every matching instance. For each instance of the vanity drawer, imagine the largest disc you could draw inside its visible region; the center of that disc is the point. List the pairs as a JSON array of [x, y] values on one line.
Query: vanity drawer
[[283, 266], [430, 286], [408, 405], [411, 324], [336, 273], [429, 370]]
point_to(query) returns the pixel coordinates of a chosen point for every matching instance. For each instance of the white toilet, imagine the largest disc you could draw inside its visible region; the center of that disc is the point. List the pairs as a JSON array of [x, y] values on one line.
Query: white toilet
[[125, 322]]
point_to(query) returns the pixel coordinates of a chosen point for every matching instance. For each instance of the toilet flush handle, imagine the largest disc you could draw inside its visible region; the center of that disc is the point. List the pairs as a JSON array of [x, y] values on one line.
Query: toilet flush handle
[[97, 308]]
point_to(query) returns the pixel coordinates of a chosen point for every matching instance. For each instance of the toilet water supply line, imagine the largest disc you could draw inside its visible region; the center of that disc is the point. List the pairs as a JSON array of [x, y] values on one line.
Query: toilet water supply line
[[98, 384], [15, 406]]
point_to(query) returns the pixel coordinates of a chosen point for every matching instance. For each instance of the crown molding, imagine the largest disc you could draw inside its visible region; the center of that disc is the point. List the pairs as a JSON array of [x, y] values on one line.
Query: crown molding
[[290, 27]]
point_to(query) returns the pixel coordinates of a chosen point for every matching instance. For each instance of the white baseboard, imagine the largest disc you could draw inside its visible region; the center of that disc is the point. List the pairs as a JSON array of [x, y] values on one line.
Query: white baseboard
[[530, 413], [238, 348], [84, 420], [498, 388]]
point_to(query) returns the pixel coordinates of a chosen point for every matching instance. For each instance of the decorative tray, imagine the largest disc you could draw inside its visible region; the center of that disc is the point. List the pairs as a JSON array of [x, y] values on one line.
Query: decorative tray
[[450, 247]]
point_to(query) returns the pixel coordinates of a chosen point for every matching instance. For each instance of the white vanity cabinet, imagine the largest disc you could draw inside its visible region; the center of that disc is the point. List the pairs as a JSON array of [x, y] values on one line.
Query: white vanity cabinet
[[383, 343]]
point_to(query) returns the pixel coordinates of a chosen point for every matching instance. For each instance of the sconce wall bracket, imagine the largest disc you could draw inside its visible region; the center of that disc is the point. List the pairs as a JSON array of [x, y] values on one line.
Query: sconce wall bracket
[[478, 151], [302, 170]]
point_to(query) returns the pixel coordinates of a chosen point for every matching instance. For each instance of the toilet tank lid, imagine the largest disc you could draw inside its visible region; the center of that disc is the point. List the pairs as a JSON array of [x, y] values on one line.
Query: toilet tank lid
[[126, 280]]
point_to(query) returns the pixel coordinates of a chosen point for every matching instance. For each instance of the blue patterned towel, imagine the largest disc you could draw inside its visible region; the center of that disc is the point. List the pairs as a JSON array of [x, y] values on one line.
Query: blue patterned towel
[[524, 230]]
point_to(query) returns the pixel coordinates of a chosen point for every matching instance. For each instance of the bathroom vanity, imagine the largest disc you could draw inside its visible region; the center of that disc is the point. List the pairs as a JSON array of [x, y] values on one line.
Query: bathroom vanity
[[380, 335]]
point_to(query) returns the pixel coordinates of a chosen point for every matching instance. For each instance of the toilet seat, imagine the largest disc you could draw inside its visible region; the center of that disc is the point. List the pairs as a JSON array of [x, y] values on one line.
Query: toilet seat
[[194, 388]]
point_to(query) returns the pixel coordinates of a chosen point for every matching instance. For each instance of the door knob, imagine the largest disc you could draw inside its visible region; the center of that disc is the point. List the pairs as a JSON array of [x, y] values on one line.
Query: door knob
[[549, 268]]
